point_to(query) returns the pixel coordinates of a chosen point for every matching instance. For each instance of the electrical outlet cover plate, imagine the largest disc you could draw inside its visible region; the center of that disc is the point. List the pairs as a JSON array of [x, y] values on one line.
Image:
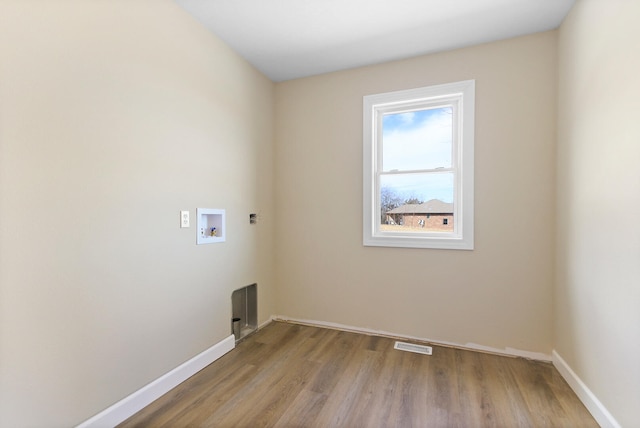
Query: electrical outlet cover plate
[[184, 218]]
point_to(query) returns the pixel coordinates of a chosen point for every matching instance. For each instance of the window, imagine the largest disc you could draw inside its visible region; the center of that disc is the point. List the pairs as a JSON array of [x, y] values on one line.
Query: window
[[418, 167]]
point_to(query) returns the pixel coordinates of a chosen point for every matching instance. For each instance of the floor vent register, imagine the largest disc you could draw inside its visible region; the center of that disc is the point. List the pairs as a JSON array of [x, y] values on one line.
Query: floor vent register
[[411, 347]]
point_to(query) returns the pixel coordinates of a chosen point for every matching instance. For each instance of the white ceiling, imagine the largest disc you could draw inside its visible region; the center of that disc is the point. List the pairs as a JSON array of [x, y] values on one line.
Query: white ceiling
[[288, 39]]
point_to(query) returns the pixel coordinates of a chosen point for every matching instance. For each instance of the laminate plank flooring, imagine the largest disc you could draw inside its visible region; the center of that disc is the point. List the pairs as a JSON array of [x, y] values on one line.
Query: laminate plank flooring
[[289, 375]]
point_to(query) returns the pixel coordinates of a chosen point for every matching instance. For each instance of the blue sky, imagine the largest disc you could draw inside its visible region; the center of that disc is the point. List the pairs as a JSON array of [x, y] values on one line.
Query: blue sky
[[415, 141]]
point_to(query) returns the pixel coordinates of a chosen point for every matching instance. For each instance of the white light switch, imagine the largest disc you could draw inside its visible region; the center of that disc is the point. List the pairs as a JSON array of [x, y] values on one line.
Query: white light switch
[[184, 218]]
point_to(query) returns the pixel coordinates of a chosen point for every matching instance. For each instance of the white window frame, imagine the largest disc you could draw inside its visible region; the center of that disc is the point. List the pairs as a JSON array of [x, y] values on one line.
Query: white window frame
[[462, 96]]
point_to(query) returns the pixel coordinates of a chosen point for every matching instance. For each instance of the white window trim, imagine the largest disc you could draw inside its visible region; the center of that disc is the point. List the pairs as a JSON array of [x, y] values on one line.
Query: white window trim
[[462, 237]]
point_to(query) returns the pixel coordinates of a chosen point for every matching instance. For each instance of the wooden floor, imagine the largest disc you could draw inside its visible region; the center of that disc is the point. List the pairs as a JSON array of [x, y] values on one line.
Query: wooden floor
[[288, 375]]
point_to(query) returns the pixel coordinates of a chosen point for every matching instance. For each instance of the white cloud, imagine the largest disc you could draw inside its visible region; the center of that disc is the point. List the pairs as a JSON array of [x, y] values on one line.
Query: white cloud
[[407, 118], [425, 146]]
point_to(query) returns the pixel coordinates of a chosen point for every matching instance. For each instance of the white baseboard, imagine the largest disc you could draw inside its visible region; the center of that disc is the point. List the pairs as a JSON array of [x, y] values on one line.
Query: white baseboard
[[591, 402], [471, 346], [135, 402]]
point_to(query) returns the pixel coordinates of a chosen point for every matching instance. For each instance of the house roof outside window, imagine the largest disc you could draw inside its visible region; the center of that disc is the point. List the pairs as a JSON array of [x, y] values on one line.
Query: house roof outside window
[[432, 206]]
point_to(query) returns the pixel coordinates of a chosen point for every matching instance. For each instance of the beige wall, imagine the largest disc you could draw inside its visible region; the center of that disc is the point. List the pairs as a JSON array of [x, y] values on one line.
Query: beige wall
[[500, 294], [114, 116], [598, 267]]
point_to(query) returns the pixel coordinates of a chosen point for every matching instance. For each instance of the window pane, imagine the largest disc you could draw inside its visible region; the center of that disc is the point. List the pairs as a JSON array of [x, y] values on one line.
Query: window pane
[[417, 140], [417, 166], [417, 202]]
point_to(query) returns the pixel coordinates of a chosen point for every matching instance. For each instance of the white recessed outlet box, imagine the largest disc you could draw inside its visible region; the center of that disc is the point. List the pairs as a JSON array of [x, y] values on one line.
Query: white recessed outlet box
[[211, 225]]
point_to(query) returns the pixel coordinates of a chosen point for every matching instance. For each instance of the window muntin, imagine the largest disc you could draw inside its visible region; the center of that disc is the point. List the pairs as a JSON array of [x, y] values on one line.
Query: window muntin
[[418, 167]]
